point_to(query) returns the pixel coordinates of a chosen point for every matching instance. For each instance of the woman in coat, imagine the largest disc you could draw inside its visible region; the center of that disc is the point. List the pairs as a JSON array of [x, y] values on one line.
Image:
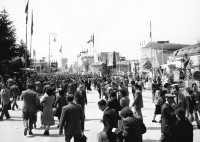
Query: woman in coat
[[60, 102], [5, 99], [47, 116]]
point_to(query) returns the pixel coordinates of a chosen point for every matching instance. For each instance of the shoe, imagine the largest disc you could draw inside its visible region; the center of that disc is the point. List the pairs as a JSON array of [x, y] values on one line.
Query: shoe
[[13, 109], [25, 131], [160, 121], [58, 126], [46, 132], [30, 133], [8, 117], [154, 121], [17, 107]]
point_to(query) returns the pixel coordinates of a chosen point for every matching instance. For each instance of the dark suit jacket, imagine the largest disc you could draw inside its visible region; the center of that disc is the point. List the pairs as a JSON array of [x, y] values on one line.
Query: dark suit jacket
[[110, 121], [14, 91], [168, 118], [182, 132], [80, 97], [29, 98], [72, 119], [114, 104], [132, 129]]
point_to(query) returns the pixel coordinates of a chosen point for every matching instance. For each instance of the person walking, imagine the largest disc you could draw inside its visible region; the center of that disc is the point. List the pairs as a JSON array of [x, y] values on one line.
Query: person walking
[[29, 98], [133, 126], [61, 101], [138, 102], [81, 97], [110, 121], [5, 99], [47, 117], [168, 117], [14, 93], [183, 129], [72, 119]]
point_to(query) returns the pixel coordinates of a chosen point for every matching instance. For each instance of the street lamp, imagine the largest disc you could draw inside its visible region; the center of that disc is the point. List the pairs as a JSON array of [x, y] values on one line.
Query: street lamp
[[49, 68]]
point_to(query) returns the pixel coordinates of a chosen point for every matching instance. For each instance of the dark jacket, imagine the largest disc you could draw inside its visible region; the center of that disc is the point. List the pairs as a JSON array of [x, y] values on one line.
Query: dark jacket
[[110, 121], [29, 98], [132, 129], [168, 118], [182, 132], [72, 119]]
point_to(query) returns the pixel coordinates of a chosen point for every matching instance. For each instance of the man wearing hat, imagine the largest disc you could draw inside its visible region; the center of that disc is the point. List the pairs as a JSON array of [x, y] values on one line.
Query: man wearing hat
[[180, 101], [168, 117]]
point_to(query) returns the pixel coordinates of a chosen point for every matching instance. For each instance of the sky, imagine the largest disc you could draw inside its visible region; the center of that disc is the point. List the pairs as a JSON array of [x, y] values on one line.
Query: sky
[[118, 25]]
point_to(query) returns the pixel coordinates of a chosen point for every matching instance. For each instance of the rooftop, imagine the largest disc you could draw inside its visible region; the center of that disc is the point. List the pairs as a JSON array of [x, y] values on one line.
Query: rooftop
[[166, 46]]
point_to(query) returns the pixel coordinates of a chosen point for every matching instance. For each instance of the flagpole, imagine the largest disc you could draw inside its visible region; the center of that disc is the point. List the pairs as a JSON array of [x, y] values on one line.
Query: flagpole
[[26, 46], [151, 51], [31, 51]]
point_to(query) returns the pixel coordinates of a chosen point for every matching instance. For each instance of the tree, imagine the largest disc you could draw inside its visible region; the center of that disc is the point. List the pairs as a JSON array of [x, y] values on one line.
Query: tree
[[7, 42], [21, 53], [7, 38]]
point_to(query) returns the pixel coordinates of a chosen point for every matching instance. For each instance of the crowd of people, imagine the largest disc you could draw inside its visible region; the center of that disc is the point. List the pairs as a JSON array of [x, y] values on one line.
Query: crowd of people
[[66, 96]]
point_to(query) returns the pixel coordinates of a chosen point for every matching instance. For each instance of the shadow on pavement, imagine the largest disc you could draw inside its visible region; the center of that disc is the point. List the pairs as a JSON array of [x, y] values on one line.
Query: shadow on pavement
[[10, 119], [42, 135], [51, 128], [153, 128], [92, 119], [93, 102], [148, 108], [150, 140]]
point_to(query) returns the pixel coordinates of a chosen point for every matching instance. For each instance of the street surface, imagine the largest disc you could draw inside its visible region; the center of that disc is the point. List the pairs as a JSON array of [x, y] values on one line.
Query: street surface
[[11, 130]]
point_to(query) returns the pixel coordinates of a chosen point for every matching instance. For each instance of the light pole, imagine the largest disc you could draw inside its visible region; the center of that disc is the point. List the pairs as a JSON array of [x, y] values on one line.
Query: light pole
[[49, 68]]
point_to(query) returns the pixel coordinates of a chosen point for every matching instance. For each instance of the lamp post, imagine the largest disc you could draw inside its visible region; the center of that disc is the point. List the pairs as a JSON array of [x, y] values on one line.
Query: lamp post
[[49, 68]]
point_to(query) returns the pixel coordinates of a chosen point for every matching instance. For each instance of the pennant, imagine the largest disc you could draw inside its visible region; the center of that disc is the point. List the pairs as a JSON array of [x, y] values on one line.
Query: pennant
[[33, 52], [91, 39], [60, 49], [32, 24], [26, 11], [150, 29]]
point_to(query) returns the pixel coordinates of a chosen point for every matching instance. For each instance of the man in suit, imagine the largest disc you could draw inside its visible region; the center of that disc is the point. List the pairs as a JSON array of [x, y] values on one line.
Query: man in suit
[[14, 93], [168, 117], [72, 119], [81, 97], [29, 98], [110, 121], [138, 101]]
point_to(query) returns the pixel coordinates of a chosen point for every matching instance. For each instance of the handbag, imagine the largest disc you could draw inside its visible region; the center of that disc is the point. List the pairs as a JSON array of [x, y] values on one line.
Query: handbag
[[83, 138]]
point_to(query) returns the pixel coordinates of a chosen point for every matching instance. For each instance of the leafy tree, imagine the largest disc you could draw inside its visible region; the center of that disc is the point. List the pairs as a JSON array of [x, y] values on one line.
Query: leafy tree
[[7, 38], [21, 53], [7, 42]]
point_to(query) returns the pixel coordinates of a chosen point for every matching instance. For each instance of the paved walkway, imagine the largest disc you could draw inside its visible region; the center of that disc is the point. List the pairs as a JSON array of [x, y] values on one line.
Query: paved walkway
[[11, 130]]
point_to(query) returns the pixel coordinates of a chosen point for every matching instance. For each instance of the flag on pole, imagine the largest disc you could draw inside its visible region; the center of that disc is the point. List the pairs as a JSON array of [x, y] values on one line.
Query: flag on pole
[[32, 24], [150, 29], [60, 49], [26, 11], [33, 52], [91, 39]]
